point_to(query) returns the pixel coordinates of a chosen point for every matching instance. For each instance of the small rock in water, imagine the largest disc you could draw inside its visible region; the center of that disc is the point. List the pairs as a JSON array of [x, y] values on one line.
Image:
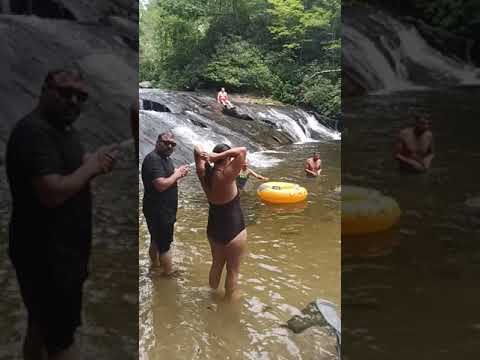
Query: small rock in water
[[310, 316], [473, 204], [212, 307]]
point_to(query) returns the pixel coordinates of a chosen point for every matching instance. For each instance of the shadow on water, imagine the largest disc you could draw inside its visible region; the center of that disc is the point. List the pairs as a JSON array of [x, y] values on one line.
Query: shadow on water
[[409, 292]]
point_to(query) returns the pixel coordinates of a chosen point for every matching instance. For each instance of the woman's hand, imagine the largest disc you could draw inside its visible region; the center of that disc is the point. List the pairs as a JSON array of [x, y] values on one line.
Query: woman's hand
[[204, 156]]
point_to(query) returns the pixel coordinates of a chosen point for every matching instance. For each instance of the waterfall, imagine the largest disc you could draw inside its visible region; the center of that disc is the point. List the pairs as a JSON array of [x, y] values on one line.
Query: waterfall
[[398, 59], [192, 118]]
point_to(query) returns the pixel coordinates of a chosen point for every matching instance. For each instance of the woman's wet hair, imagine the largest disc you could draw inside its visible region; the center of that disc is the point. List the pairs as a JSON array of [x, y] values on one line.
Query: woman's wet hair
[[219, 148]]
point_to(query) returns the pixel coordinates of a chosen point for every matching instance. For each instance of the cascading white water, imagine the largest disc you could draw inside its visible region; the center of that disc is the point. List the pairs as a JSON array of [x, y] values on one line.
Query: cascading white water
[[388, 62], [300, 125], [193, 123], [289, 125], [367, 59], [188, 135], [311, 123], [415, 48]]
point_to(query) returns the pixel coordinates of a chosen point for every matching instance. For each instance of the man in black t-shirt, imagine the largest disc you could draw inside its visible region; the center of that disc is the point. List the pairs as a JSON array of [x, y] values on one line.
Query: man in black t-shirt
[[51, 224], [160, 199]]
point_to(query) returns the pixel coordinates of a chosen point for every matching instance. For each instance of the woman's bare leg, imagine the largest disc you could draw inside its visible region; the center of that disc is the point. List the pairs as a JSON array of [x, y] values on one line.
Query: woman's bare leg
[[218, 262], [234, 252]]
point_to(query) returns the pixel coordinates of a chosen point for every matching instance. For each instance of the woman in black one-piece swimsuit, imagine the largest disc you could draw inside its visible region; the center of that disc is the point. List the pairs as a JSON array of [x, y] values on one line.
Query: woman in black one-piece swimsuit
[[226, 227]]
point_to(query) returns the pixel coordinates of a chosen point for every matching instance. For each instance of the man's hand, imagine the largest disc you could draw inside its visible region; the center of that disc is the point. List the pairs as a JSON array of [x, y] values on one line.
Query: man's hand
[[109, 158], [103, 160], [182, 171]]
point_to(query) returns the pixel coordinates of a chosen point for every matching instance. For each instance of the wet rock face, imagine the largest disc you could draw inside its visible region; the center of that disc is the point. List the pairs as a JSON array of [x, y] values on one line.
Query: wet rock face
[[352, 87], [80, 10], [108, 64], [238, 113], [196, 118], [381, 52]]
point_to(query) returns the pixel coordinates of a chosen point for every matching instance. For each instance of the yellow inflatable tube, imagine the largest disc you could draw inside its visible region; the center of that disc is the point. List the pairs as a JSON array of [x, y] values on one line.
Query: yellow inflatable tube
[[367, 211], [281, 192]]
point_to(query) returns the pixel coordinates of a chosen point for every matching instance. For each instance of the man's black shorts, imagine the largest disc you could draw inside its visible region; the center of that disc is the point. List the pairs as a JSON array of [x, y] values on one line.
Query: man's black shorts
[[160, 233], [54, 304]]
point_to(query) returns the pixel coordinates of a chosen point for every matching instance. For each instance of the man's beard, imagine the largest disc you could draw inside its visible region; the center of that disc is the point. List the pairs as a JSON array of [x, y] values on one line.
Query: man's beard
[[165, 152], [63, 119]]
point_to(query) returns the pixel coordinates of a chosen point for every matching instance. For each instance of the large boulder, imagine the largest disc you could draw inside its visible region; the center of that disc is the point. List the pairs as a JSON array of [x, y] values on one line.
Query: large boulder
[[32, 46]]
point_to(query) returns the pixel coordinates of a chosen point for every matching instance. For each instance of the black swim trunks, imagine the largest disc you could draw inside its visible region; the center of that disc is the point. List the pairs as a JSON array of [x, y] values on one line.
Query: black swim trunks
[[225, 221], [53, 298], [161, 234]]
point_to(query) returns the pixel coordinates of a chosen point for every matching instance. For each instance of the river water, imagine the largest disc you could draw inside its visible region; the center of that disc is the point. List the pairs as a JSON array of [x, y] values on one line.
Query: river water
[[294, 257], [411, 292]]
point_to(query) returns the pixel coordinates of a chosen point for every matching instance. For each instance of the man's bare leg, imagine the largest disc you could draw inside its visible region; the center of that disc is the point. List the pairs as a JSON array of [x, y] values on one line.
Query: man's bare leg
[[218, 262], [72, 353], [33, 345], [153, 253], [234, 252], [166, 263]]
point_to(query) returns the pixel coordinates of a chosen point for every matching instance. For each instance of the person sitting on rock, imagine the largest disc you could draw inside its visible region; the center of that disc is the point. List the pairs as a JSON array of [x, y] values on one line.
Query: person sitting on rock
[[222, 98]]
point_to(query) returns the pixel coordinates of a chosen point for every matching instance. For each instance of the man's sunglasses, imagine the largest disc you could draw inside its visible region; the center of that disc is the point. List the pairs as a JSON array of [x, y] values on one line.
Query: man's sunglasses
[[68, 93], [169, 143]]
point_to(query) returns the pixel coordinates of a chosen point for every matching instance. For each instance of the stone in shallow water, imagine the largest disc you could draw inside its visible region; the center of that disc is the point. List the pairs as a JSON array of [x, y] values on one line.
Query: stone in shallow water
[[473, 204], [310, 316]]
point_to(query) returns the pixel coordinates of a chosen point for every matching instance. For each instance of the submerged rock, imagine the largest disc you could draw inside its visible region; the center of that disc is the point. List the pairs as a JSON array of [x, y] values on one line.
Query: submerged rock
[[318, 324], [311, 316], [473, 203]]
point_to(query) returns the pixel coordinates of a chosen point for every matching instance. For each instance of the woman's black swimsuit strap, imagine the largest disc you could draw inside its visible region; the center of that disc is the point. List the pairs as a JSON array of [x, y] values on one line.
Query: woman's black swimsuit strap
[[225, 221]]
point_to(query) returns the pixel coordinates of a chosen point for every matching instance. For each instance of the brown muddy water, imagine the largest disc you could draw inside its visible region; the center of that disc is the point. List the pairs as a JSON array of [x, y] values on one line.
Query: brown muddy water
[[294, 258], [412, 292]]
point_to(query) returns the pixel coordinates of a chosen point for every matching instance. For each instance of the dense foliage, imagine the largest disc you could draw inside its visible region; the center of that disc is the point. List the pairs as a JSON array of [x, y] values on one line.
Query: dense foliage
[[285, 49]]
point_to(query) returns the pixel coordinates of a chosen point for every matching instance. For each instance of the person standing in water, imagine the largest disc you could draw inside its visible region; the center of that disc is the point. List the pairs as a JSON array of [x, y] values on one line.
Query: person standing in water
[[222, 98], [313, 165], [160, 199], [50, 233], [226, 226], [414, 149], [245, 173]]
